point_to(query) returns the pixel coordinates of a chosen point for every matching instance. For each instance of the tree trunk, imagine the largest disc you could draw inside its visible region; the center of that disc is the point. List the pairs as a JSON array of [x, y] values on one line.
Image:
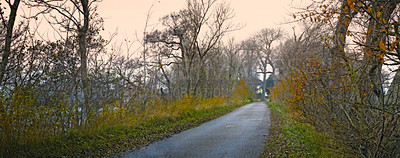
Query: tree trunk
[[7, 45], [83, 53], [264, 88], [391, 100], [375, 68]]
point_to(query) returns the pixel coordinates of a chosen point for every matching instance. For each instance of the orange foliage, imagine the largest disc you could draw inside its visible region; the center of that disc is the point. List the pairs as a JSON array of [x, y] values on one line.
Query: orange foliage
[[307, 89], [241, 91], [24, 126]]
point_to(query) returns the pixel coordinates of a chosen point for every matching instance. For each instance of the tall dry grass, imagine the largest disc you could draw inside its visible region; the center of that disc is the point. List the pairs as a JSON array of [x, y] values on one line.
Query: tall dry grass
[[27, 128]]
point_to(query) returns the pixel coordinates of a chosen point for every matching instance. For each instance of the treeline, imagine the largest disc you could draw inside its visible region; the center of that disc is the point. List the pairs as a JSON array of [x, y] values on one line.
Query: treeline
[[341, 76], [50, 88]]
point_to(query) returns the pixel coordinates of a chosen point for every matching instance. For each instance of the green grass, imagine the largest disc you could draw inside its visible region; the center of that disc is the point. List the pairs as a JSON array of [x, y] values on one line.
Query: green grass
[[108, 140], [289, 138]]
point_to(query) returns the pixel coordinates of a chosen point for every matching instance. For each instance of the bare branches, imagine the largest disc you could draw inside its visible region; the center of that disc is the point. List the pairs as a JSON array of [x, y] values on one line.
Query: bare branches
[[192, 35], [261, 44], [54, 5], [349, 86], [9, 34], [2, 17]]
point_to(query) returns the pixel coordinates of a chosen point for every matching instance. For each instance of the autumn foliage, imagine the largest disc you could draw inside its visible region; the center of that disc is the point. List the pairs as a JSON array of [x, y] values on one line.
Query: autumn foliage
[[329, 99], [58, 93], [32, 131], [348, 90]]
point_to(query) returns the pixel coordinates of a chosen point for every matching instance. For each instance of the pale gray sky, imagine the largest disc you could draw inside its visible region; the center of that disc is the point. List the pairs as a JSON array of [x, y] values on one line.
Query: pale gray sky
[[129, 16]]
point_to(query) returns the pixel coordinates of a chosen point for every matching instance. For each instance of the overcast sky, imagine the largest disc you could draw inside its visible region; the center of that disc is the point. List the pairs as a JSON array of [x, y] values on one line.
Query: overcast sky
[[129, 16]]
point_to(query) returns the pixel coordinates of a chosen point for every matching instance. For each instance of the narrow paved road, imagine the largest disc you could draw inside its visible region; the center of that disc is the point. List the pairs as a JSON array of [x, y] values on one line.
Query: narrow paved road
[[240, 133]]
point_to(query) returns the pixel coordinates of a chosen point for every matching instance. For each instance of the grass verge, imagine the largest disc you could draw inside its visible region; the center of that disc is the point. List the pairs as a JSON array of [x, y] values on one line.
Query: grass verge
[[288, 138], [111, 139]]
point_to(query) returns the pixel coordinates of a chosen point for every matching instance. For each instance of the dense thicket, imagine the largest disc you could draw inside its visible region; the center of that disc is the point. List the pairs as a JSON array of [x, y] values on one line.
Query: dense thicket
[[341, 75]]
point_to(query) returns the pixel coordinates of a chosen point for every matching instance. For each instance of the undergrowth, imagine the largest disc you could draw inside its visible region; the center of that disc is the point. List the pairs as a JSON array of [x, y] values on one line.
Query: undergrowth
[[115, 130], [289, 138]]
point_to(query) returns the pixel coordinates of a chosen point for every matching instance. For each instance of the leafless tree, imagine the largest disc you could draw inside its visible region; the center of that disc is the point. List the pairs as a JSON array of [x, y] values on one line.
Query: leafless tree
[[8, 24], [193, 34], [78, 13], [264, 40]]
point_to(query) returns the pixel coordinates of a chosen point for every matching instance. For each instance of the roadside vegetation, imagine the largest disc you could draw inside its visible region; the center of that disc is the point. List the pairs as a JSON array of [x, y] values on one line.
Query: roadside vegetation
[[338, 80], [290, 138], [78, 94], [119, 130]]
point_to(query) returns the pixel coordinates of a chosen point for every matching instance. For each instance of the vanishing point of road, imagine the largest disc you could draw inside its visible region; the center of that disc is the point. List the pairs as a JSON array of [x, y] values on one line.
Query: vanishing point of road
[[240, 133]]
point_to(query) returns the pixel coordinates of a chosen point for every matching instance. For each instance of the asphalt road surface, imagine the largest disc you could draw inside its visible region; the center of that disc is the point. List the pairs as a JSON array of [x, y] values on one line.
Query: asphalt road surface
[[240, 133]]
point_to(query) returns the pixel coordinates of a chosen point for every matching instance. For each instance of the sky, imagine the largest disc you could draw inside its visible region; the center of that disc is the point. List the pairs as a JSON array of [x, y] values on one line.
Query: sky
[[129, 16]]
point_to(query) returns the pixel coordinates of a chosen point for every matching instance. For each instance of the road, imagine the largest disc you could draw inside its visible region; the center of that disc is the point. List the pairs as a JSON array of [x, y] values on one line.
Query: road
[[240, 133]]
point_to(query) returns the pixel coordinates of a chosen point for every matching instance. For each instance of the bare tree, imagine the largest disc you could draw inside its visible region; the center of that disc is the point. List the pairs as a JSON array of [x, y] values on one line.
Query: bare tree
[[264, 39], [250, 49], [8, 24], [261, 45], [193, 33], [76, 16]]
